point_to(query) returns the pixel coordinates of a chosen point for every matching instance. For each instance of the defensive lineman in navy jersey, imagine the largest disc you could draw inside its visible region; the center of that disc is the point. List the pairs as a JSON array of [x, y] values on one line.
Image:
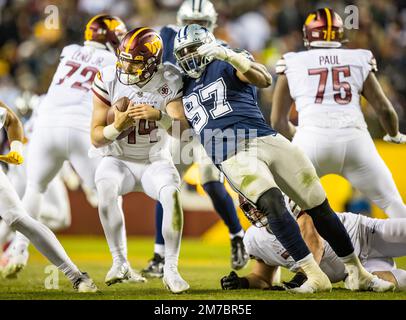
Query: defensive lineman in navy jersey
[[219, 102], [203, 13]]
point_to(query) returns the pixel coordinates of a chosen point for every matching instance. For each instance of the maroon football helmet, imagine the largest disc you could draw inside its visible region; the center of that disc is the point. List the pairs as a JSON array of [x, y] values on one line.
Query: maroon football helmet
[[323, 29], [105, 29], [256, 217], [139, 56]]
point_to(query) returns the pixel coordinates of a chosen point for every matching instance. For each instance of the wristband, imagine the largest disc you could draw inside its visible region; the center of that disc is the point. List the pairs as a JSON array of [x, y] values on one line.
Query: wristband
[[239, 62], [17, 146], [110, 132], [165, 120]]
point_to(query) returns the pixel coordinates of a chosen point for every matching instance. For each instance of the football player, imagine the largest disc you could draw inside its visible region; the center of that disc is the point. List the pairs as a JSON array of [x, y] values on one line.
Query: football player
[[55, 209], [219, 99], [202, 13], [326, 83], [139, 161], [63, 124], [14, 214], [376, 242]]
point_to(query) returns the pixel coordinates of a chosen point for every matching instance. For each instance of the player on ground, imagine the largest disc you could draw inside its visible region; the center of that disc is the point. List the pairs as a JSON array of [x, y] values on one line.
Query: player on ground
[[257, 161], [376, 242], [202, 13], [14, 214], [141, 160], [326, 83], [63, 124]]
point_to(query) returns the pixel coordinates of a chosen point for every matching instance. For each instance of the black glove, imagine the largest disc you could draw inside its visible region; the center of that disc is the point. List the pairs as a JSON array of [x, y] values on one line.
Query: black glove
[[233, 281], [296, 281]]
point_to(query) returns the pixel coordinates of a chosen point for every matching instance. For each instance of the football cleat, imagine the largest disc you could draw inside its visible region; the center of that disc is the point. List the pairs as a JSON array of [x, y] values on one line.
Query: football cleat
[[13, 261], [365, 281], [155, 268], [314, 284], [173, 281], [84, 284], [118, 273], [122, 273], [239, 257], [135, 277]]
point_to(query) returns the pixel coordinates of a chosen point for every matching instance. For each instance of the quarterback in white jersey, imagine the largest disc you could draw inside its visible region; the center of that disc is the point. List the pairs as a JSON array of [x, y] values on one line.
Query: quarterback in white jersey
[[326, 83], [14, 214], [139, 161], [376, 242], [63, 124]]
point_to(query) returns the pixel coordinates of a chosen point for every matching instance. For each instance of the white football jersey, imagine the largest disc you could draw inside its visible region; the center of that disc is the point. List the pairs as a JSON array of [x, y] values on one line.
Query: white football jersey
[[68, 102], [262, 245], [145, 140], [326, 85]]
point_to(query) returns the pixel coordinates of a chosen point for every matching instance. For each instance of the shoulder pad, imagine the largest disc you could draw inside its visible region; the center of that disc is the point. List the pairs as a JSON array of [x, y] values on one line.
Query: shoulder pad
[[68, 49], [108, 73]]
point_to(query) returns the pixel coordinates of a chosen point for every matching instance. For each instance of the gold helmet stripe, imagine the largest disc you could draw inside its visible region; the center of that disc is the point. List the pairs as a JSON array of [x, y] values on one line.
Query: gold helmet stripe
[[88, 31], [329, 23], [310, 18], [132, 38]]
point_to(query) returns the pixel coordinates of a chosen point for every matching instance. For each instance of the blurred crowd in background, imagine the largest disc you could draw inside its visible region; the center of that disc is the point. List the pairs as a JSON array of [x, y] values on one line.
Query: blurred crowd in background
[[29, 52]]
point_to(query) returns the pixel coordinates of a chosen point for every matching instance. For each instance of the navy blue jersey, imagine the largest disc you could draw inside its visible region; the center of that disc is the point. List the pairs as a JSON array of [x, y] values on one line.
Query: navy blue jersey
[[223, 110], [168, 34]]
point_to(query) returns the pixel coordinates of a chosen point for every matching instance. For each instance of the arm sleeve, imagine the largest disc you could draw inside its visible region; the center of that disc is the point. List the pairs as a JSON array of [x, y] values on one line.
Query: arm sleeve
[[280, 67], [368, 63], [3, 117], [100, 89]]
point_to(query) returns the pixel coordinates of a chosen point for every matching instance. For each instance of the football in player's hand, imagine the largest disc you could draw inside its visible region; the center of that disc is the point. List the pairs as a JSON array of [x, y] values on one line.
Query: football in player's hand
[[121, 105]]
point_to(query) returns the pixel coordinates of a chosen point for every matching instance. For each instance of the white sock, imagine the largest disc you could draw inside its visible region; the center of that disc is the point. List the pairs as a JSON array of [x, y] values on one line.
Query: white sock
[[159, 249], [46, 243], [112, 219], [238, 234], [172, 224], [309, 266], [32, 204], [352, 261]]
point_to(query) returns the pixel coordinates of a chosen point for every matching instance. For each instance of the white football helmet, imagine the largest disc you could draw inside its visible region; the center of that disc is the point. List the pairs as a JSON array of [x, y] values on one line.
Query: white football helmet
[[201, 12], [187, 41]]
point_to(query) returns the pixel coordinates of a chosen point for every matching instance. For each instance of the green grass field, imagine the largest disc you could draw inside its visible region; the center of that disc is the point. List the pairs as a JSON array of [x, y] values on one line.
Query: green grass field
[[201, 264]]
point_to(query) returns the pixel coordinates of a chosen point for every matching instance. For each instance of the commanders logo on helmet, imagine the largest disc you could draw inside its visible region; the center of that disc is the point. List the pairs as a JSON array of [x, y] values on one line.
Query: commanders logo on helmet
[[105, 29], [323, 28], [139, 56]]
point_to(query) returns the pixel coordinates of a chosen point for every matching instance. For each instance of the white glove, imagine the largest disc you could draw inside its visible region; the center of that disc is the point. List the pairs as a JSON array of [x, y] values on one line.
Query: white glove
[[214, 50], [400, 138]]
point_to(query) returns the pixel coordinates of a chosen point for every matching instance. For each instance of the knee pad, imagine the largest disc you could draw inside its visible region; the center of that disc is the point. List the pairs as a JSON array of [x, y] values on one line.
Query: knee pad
[[272, 203]]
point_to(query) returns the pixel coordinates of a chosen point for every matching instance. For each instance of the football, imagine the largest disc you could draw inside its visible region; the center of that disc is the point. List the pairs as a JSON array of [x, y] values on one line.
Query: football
[[121, 105]]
